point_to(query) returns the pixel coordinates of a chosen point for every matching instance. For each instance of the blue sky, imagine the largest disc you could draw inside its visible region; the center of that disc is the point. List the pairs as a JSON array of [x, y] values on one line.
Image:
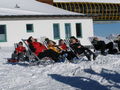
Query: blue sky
[[106, 29]]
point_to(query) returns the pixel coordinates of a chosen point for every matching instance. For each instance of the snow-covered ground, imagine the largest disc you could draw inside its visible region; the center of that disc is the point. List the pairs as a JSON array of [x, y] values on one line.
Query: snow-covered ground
[[102, 74]]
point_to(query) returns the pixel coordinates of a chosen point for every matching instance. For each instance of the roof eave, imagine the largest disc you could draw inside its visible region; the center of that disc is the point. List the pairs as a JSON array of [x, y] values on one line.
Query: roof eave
[[43, 16]]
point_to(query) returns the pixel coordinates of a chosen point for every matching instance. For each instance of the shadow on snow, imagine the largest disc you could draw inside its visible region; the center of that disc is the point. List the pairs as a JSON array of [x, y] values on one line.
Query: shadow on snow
[[111, 76], [20, 64], [79, 82]]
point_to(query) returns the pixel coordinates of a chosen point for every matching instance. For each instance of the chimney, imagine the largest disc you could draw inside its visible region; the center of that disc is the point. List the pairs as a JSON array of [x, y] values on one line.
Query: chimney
[[46, 1]]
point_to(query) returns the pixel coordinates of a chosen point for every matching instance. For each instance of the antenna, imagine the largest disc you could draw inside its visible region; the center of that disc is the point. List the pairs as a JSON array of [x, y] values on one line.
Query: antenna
[[17, 6]]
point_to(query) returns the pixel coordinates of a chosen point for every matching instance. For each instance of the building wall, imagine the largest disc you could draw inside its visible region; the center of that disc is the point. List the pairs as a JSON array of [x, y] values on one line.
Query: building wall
[[16, 29]]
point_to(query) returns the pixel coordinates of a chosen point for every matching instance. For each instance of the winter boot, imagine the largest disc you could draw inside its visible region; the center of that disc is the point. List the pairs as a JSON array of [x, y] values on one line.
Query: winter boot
[[94, 56]]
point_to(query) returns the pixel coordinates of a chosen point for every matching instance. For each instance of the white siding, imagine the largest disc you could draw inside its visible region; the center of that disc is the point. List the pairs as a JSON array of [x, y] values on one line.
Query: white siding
[[16, 29]]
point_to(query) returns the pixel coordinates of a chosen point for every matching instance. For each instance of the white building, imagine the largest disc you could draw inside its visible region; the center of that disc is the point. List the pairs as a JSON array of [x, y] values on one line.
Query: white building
[[23, 18]]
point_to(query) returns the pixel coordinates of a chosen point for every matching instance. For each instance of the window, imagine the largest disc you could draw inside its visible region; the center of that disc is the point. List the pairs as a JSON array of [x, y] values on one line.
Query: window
[[78, 30], [67, 30], [29, 27], [56, 31], [3, 33]]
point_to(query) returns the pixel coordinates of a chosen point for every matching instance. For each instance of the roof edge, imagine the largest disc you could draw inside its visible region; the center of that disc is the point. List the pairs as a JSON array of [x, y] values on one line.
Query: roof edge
[[44, 17]]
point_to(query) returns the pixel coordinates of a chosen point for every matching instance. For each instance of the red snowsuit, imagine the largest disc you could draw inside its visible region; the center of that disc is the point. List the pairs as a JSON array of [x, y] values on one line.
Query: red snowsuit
[[63, 46], [38, 47], [20, 49]]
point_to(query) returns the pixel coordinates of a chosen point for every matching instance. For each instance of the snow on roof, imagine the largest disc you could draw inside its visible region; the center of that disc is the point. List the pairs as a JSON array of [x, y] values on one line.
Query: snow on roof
[[7, 11], [95, 1], [30, 7]]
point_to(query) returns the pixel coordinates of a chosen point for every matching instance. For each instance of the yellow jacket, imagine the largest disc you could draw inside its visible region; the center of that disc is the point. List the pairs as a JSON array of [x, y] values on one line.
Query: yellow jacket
[[54, 48]]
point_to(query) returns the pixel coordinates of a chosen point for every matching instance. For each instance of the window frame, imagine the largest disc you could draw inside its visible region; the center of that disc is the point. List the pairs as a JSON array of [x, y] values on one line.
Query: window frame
[[70, 30], [5, 34], [80, 30], [30, 31], [57, 31]]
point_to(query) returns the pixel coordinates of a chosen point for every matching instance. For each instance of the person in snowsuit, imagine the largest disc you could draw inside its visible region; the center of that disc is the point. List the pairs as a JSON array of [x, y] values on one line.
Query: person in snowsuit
[[79, 49], [62, 45], [41, 51], [102, 46], [118, 42], [20, 52], [69, 54]]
